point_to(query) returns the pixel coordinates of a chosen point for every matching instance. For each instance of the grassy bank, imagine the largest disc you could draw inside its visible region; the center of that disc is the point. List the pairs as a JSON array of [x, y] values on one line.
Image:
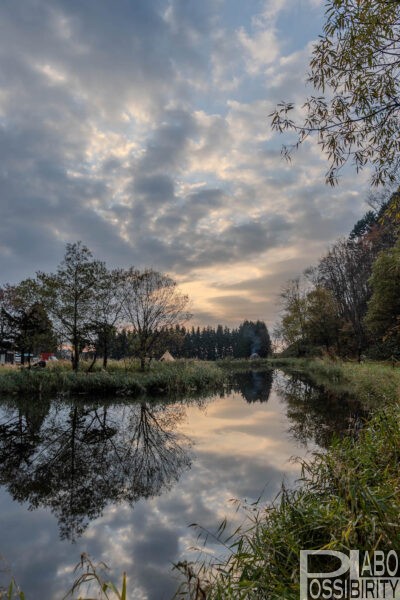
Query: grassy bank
[[373, 383], [350, 500], [349, 497], [161, 378], [237, 365]]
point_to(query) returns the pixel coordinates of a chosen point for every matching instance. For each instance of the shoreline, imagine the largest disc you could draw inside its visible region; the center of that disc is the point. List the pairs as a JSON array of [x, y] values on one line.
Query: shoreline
[[349, 497], [125, 381]]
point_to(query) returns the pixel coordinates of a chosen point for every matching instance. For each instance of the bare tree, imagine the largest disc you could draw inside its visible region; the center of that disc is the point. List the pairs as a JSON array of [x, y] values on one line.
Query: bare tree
[[107, 308], [152, 304]]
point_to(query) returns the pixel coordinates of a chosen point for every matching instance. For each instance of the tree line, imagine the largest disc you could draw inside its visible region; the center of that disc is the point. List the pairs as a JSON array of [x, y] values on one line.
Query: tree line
[[206, 343], [349, 303], [113, 313]]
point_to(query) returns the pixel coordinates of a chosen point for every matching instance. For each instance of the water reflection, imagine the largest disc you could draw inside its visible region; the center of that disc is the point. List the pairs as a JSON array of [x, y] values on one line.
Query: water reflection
[[89, 464], [77, 459], [254, 386], [316, 415]]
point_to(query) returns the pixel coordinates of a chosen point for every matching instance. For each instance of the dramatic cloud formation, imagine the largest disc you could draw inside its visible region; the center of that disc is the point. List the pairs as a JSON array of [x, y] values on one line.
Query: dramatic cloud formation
[[141, 128]]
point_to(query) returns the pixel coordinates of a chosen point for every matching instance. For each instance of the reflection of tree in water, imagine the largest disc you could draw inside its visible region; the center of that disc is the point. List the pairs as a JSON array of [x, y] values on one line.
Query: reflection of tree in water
[[83, 458], [317, 414], [19, 435], [255, 386]]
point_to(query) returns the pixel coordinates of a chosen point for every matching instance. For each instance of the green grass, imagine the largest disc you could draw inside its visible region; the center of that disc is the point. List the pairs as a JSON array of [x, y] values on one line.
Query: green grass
[[161, 378], [373, 383], [350, 499], [236, 365]]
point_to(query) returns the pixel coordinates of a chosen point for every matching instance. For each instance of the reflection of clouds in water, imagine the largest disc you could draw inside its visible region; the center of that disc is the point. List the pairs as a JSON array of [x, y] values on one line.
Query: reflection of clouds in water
[[240, 451], [36, 566], [256, 432], [204, 492], [81, 459]]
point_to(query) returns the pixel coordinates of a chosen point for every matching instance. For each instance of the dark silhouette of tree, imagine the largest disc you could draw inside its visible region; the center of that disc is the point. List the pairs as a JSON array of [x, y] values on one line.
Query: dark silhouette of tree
[[20, 436], [107, 309], [252, 338], [83, 458], [211, 343], [69, 296], [345, 272], [316, 414], [151, 304], [24, 321], [254, 386]]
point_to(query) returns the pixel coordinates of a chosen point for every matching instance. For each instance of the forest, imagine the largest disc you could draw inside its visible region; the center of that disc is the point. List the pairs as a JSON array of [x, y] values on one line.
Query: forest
[[348, 305], [206, 343]]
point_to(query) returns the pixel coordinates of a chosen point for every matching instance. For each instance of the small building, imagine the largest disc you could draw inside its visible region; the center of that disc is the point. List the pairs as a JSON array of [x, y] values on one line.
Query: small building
[[167, 357], [7, 357]]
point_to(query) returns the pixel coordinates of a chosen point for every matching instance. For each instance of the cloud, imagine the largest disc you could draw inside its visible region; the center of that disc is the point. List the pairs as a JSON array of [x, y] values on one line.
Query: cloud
[[142, 129]]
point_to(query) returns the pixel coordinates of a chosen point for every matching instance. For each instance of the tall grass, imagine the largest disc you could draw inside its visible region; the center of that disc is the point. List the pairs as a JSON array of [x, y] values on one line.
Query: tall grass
[[161, 378], [350, 499], [93, 575], [373, 383], [12, 592], [91, 578]]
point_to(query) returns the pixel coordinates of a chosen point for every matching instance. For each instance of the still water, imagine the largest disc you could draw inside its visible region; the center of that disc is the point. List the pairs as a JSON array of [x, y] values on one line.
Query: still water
[[123, 481]]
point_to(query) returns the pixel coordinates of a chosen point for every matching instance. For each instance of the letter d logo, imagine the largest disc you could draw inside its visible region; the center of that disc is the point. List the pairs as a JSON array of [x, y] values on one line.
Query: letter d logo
[[305, 575]]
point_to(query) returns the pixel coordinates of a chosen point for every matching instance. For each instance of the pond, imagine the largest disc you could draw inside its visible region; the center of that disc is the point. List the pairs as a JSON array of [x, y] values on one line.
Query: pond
[[123, 481]]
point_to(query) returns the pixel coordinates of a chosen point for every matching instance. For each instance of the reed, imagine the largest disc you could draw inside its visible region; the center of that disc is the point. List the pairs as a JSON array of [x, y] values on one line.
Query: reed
[[373, 383], [91, 578], [94, 575], [161, 378], [349, 499]]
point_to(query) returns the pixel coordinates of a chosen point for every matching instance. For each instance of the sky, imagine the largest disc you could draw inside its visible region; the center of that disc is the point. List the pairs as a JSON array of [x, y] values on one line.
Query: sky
[[141, 128]]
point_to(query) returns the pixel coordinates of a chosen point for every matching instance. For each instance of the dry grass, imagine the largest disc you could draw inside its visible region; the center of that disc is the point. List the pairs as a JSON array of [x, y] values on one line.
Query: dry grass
[[120, 378]]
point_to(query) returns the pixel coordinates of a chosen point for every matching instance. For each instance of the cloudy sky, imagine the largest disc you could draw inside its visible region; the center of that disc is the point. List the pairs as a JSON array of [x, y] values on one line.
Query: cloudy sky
[[141, 128]]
